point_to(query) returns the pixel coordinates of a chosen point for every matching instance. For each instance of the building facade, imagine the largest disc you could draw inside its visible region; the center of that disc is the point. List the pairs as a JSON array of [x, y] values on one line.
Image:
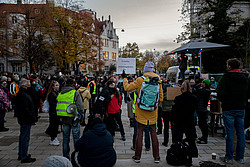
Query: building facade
[[104, 44]]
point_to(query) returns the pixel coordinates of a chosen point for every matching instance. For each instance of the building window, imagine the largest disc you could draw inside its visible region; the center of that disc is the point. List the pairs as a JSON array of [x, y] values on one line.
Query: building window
[[14, 51], [14, 19], [1, 67], [106, 42], [32, 21], [37, 11], [113, 56], [106, 68], [17, 67], [2, 21], [106, 55], [114, 44]]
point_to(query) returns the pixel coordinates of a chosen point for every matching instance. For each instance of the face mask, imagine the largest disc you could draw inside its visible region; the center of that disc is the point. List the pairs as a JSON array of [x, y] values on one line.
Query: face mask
[[112, 90]]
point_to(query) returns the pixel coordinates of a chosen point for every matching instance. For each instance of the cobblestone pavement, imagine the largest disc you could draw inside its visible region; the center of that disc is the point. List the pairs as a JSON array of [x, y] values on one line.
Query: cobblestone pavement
[[40, 149]]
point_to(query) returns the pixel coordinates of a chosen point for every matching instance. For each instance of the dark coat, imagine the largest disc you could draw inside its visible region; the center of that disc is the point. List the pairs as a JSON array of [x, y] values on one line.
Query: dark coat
[[24, 108], [233, 90], [203, 98], [95, 148], [52, 103], [184, 108], [102, 102]]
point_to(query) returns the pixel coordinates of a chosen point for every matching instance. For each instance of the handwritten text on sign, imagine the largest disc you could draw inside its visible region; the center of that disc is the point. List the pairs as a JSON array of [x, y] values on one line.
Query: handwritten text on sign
[[127, 64]]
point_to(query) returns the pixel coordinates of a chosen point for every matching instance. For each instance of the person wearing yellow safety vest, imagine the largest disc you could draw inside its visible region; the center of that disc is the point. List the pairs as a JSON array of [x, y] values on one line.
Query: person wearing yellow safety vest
[[66, 97], [92, 89], [133, 96]]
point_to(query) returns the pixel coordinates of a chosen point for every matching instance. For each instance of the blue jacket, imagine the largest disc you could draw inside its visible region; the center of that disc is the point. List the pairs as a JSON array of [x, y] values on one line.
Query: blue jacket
[[95, 148]]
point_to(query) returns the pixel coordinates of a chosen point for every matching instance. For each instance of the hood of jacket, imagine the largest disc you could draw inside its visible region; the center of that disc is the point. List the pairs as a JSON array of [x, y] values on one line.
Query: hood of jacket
[[99, 129], [66, 89], [82, 89]]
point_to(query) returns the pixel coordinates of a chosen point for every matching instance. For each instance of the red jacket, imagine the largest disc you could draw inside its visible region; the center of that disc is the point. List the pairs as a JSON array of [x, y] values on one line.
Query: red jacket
[[114, 105]]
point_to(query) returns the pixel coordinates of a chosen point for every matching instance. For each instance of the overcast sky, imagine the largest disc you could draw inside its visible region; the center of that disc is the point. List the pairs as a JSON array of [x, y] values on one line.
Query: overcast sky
[[152, 24]]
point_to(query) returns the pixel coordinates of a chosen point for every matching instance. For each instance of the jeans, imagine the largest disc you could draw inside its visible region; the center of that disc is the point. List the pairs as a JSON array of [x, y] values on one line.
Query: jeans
[[146, 130], [139, 137], [24, 140], [234, 119], [66, 137]]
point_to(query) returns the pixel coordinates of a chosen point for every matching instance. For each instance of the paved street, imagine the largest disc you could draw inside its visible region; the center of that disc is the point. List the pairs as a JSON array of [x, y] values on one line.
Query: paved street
[[40, 148]]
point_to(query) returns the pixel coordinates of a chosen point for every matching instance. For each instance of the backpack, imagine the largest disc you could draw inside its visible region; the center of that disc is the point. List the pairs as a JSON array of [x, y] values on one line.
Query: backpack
[[177, 154], [247, 133], [149, 94]]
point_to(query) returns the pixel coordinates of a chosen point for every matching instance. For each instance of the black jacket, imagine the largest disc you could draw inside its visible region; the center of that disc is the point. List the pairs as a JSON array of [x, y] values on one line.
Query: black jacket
[[233, 90], [24, 108], [184, 108], [95, 148], [203, 98], [52, 103], [102, 101]]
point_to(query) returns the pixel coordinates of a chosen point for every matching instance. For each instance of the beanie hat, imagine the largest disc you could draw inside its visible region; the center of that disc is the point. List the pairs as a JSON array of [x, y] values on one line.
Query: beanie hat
[[149, 67], [55, 161], [207, 81], [4, 78]]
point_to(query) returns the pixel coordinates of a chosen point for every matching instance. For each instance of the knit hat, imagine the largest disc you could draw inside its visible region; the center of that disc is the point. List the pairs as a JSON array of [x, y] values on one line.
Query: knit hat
[[207, 81], [4, 78], [55, 161], [149, 67]]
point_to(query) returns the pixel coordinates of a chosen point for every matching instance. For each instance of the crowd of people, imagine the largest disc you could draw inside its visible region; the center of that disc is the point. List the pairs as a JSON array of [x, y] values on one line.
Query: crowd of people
[[95, 103]]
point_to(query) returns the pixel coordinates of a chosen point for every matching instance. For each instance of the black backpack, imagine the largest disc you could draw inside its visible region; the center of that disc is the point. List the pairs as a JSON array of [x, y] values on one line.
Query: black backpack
[[177, 154]]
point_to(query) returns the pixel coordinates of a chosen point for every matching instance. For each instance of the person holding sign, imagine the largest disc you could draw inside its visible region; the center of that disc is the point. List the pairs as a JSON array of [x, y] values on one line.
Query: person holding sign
[[146, 113]]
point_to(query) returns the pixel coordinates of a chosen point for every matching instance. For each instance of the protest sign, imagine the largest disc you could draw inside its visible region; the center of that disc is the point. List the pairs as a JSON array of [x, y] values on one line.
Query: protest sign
[[127, 64]]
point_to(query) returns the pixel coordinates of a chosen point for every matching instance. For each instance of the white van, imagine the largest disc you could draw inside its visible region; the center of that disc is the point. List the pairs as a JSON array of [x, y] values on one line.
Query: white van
[[174, 72]]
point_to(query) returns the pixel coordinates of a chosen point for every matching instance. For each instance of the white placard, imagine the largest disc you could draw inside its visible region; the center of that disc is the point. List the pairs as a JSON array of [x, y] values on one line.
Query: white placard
[[127, 64]]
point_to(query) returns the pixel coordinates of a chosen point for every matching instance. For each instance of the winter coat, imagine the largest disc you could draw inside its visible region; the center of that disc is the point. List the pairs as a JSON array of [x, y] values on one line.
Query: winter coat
[[114, 105], [24, 108], [142, 116], [203, 98], [95, 148], [4, 100], [102, 102], [78, 102], [184, 108], [52, 103], [233, 90], [86, 96]]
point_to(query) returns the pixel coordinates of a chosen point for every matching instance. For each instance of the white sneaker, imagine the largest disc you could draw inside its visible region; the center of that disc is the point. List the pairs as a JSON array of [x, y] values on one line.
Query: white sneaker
[[56, 140], [54, 143]]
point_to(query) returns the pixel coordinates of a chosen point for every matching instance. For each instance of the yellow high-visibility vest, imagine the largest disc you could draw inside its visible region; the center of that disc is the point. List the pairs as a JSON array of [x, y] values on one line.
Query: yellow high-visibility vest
[[64, 100], [94, 91], [134, 102]]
